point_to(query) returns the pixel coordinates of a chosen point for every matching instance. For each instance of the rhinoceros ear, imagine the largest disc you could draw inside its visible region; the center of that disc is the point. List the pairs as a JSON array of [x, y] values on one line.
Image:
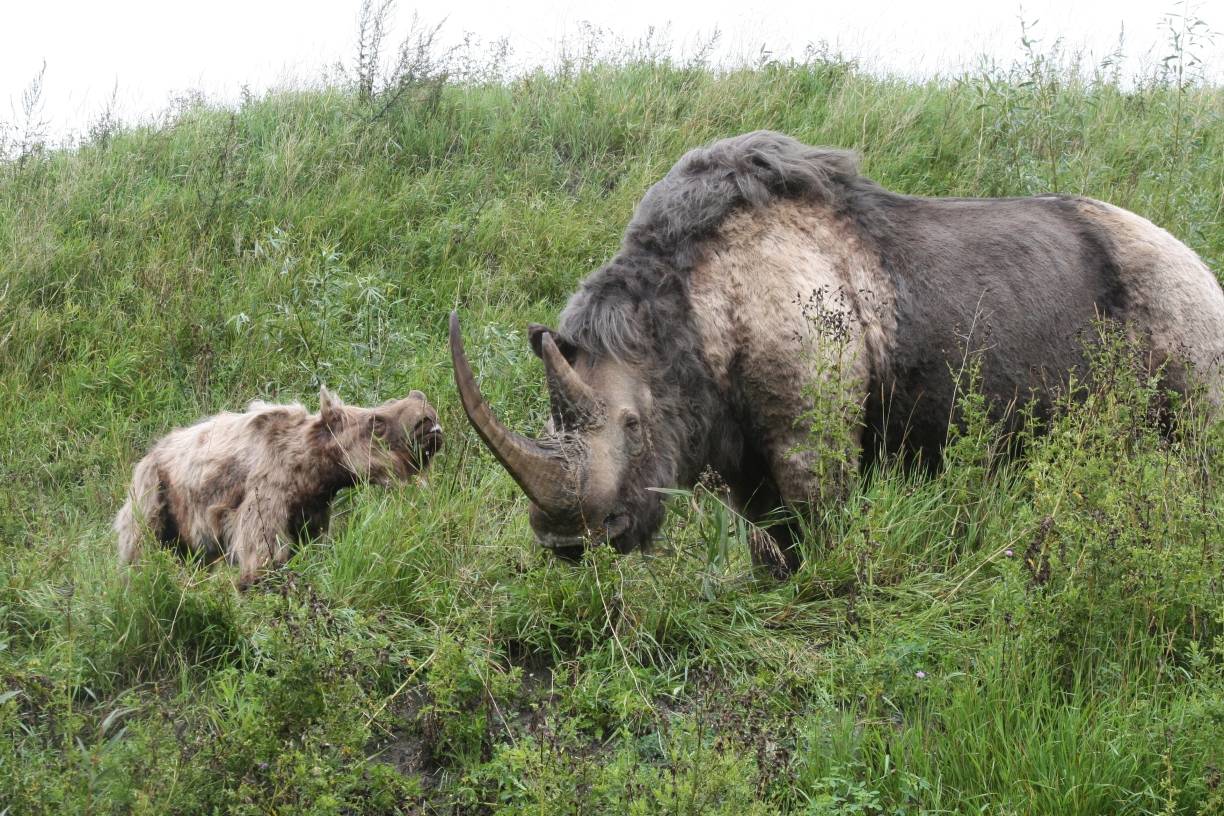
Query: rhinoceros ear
[[535, 335]]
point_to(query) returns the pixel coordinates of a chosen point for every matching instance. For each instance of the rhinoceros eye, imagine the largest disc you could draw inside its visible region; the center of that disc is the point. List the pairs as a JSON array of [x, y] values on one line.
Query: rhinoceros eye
[[633, 433]]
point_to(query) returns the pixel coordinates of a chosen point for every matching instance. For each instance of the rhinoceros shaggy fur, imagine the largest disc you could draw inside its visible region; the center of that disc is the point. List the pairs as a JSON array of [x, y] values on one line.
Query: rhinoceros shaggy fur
[[693, 347]]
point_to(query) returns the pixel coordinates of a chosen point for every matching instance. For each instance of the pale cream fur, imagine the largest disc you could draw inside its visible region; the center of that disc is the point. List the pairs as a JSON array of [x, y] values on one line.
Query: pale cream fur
[[748, 298], [192, 458], [1170, 293]]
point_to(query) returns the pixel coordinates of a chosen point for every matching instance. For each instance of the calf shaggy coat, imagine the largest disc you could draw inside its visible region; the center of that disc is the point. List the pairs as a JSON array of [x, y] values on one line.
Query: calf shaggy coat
[[248, 484]]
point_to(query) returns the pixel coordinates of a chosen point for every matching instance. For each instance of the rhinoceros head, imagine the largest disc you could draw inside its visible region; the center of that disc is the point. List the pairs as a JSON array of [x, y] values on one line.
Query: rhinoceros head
[[589, 474]]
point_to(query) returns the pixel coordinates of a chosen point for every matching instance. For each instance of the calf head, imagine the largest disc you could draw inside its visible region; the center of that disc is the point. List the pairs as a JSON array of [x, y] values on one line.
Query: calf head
[[394, 441]]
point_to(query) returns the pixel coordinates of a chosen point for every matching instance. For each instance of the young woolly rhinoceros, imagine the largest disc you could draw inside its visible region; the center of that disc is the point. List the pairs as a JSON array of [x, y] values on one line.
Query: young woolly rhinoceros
[[247, 485]]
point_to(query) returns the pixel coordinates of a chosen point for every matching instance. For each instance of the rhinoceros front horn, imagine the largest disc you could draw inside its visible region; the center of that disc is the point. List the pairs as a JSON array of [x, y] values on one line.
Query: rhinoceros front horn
[[540, 470]]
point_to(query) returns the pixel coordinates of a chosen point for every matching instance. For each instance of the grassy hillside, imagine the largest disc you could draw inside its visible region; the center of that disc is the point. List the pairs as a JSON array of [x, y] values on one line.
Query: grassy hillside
[[1040, 636]]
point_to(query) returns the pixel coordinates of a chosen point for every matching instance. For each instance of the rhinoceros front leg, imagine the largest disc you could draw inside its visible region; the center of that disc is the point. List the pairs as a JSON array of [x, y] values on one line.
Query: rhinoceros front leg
[[775, 531], [803, 436], [799, 485]]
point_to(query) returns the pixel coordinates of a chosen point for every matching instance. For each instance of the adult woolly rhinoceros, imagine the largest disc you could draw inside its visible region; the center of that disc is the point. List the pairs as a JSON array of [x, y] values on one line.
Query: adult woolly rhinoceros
[[693, 347]]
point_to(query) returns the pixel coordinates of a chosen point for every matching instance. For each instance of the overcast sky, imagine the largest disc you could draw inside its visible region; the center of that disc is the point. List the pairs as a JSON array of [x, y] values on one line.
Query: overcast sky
[[146, 51]]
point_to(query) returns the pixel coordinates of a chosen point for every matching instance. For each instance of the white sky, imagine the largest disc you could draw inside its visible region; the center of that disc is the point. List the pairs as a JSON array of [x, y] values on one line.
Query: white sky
[[146, 51]]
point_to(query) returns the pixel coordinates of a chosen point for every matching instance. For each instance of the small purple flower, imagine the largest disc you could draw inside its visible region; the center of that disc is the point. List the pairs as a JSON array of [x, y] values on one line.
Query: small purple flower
[[920, 674], [1009, 553]]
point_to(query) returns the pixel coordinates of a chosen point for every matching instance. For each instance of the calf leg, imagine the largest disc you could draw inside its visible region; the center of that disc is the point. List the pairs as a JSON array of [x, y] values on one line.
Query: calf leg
[[260, 536]]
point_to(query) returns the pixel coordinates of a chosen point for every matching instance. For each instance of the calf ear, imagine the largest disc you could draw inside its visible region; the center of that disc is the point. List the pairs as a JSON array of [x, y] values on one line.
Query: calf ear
[[329, 407], [414, 400]]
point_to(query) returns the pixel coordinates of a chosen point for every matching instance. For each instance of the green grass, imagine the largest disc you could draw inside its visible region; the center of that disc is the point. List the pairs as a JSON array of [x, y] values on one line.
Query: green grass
[[1043, 635]]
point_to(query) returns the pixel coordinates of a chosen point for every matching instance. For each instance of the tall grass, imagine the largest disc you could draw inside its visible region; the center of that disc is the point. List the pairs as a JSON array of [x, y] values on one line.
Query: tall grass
[[1033, 635]]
